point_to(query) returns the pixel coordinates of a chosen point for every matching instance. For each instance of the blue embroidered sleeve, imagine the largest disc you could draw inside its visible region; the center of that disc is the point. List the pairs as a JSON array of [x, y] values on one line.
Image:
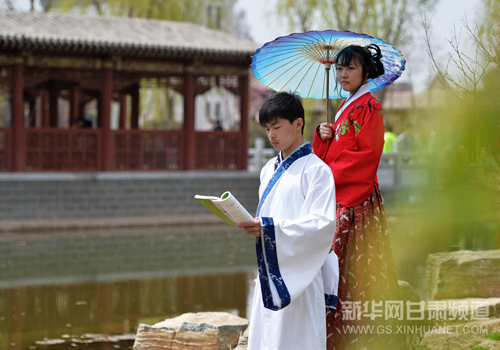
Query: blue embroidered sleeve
[[268, 265]]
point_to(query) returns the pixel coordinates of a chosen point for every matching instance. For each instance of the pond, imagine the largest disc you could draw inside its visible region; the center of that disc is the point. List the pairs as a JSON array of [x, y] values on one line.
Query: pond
[[108, 281]]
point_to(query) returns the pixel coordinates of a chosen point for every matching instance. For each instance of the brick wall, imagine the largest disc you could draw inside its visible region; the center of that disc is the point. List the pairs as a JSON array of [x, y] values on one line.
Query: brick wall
[[99, 195]]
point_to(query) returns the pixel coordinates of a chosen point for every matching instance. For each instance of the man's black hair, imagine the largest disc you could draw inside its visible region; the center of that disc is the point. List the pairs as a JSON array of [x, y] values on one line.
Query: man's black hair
[[281, 105]]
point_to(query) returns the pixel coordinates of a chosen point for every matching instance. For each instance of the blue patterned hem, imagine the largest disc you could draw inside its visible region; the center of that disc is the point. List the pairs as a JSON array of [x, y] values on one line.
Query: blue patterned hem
[[331, 302], [269, 272]]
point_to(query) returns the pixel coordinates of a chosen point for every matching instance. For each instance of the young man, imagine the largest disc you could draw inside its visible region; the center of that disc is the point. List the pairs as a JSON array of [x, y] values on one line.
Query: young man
[[294, 227]]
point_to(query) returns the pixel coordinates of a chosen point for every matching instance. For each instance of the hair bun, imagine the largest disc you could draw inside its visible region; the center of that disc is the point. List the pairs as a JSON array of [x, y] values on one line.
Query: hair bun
[[375, 51], [375, 65]]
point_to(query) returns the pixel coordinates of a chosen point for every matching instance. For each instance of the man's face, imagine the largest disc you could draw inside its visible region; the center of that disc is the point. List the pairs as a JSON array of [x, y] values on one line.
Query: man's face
[[285, 136]]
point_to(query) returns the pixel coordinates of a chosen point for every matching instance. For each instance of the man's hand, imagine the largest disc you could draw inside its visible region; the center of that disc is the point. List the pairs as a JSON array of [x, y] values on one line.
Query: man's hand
[[251, 227], [325, 131]]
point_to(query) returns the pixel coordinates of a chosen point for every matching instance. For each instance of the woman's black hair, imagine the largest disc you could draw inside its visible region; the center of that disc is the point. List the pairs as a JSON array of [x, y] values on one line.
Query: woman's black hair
[[281, 105], [369, 57]]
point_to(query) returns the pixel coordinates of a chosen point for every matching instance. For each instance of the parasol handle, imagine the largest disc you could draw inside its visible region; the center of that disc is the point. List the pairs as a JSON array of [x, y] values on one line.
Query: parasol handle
[[327, 71]]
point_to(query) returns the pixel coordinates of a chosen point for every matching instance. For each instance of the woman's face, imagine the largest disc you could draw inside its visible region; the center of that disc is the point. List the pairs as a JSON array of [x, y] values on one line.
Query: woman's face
[[350, 76]]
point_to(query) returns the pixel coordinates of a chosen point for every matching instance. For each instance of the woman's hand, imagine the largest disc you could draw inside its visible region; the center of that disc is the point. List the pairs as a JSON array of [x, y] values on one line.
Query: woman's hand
[[325, 131], [251, 227]]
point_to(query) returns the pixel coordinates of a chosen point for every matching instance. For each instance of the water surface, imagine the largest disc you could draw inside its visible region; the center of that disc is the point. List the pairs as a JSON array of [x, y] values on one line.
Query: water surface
[[109, 281]]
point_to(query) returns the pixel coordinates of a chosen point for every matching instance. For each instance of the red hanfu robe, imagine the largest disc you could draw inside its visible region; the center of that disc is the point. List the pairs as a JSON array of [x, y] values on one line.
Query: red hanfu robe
[[354, 152]]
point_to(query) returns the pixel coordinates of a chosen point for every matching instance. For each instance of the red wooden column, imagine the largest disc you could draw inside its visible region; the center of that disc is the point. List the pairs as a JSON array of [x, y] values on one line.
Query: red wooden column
[[189, 151], [82, 108], [43, 109], [75, 104], [54, 104], [123, 111], [244, 130], [107, 150], [135, 106], [18, 150]]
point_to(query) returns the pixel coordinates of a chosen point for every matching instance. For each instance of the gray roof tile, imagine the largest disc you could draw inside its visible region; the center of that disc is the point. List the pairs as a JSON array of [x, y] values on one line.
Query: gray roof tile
[[25, 29]]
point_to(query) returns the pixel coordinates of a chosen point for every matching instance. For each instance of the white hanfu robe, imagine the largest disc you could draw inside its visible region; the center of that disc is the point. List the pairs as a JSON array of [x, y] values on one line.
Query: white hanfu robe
[[298, 278]]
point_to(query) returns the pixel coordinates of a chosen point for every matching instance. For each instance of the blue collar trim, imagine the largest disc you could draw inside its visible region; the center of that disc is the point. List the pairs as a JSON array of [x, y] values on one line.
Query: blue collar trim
[[281, 166]]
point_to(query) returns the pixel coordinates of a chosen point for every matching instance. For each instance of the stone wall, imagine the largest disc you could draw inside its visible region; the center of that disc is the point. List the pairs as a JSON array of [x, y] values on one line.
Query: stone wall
[[74, 256], [100, 195]]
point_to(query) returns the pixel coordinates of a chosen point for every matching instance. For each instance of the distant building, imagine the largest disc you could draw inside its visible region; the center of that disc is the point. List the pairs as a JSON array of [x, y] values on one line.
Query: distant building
[[57, 68]]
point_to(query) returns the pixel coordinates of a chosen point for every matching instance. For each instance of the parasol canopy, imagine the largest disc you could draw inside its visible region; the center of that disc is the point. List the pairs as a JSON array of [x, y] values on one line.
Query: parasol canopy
[[300, 63]]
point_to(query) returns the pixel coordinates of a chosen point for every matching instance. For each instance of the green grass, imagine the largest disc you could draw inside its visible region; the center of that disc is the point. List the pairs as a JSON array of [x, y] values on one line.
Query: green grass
[[494, 336]]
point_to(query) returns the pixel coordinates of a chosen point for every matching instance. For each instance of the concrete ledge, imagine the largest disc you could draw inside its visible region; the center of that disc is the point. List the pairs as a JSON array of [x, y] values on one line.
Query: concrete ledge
[[147, 221], [120, 175]]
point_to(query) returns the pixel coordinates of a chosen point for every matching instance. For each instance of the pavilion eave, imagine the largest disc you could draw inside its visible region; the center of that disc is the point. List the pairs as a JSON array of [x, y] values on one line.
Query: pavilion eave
[[13, 43]]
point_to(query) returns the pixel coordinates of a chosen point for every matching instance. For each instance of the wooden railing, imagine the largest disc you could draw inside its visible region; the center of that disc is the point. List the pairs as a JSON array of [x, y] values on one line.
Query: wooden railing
[[218, 151], [75, 150], [4, 149], [148, 150], [62, 149]]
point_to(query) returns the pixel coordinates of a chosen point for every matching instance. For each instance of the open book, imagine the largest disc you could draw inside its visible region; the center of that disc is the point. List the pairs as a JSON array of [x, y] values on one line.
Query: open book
[[226, 207]]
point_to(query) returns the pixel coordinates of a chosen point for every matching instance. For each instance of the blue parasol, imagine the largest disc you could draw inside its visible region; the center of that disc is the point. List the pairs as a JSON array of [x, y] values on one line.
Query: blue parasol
[[300, 63]]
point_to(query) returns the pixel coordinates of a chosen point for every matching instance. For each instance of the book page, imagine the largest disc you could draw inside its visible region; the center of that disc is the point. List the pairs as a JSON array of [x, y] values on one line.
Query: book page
[[232, 208], [208, 202], [212, 198]]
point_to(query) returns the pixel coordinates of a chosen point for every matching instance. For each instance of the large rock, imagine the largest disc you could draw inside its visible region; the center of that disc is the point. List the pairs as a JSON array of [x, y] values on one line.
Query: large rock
[[243, 342], [463, 274], [207, 331], [406, 292]]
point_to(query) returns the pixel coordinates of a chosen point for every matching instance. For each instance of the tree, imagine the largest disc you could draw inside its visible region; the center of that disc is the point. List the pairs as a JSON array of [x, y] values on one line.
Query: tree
[[472, 80], [466, 129], [300, 13], [9, 4], [215, 14], [390, 20]]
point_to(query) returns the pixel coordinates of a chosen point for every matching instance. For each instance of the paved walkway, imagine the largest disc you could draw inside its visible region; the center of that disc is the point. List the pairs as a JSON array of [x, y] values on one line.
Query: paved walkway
[[65, 224]]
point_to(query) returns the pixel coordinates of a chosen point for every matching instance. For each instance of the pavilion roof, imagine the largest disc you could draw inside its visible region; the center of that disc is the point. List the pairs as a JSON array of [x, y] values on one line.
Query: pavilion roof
[[118, 35]]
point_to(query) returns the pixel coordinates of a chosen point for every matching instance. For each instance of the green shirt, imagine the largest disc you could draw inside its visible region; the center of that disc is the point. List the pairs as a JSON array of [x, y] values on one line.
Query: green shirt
[[389, 138]]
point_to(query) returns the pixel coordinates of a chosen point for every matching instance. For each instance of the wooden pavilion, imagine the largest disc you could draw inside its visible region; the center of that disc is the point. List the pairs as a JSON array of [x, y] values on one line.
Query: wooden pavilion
[[46, 57]]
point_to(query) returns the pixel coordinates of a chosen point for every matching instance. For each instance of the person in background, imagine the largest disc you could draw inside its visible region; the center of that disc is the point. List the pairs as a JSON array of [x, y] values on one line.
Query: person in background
[[81, 122], [389, 139]]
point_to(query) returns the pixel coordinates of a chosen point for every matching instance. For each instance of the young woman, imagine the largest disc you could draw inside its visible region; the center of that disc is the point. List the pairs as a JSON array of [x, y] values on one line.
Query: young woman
[[352, 147]]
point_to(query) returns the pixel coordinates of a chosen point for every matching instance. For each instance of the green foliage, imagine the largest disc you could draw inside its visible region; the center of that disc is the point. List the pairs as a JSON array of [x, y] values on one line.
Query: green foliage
[[391, 20], [300, 14], [490, 23], [4, 107], [158, 106], [460, 207], [494, 336], [214, 14]]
